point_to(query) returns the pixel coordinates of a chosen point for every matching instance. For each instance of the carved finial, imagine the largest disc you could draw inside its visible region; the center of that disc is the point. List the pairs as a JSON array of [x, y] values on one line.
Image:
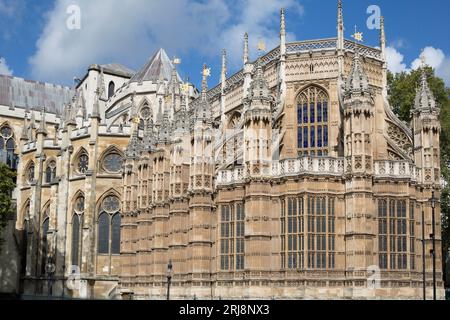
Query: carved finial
[[223, 74], [357, 80], [340, 26], [282, 22], [246, 59], [42, 124], [205, 74]]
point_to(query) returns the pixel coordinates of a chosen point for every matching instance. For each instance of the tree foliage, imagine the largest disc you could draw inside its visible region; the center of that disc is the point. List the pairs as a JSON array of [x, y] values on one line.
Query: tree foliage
[[402, 91], [7, 186]]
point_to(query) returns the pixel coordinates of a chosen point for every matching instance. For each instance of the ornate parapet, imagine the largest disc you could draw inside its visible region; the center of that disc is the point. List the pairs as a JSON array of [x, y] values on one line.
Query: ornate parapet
[[319, 166], [389, 169]]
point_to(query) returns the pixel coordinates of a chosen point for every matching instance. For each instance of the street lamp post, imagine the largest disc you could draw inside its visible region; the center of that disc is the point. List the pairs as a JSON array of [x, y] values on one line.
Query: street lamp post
[[169, 278], [433, 238]]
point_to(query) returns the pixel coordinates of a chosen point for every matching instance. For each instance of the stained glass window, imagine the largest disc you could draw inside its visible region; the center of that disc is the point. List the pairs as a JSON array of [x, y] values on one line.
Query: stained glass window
[[312, 122], [393, 235], [103, 234], [115, 234], [109, 226], [113, 162]]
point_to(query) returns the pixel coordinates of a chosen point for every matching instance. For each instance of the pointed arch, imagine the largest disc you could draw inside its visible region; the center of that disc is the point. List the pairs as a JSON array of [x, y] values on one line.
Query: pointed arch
[[111, 89], [76, 221], [313, 105], [45, 212], [29, 173], [111, 160], [26, 210], [110, 192], [108, 223], [80, 161], [50, 170]]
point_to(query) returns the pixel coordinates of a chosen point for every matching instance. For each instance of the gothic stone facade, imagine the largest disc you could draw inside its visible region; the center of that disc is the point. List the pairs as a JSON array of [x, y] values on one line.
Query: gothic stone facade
[[290, 179]]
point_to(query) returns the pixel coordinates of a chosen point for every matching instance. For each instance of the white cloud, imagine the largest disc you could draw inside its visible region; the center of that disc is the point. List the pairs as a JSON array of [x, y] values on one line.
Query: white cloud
[[112, 31], [4, 69], [435, 58], [394, 60]]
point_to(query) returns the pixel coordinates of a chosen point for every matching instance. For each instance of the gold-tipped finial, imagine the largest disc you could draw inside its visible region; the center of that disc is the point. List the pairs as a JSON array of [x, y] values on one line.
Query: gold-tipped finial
[[185, 87], [261, 45], [206, 71], [358, 36], [176, 61]]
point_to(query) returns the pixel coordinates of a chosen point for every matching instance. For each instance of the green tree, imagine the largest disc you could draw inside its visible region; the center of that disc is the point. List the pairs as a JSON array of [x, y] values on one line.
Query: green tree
[[402, 91], [7, 186]]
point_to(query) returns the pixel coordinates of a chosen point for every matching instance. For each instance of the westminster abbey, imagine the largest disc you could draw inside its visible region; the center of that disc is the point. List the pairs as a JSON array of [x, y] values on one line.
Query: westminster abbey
[[290, 179]]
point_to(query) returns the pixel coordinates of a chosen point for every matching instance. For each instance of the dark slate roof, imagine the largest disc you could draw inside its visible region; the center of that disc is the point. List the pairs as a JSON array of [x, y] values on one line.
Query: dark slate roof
[[23, 93], [118, 69], [158, 67]]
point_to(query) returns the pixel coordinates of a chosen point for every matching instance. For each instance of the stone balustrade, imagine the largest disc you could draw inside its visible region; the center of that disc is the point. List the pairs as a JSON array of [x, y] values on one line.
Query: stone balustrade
[[397, 169], [321, 166]]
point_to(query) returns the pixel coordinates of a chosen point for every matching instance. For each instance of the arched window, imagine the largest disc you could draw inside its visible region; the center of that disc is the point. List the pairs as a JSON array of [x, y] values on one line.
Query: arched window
[[75, 239], [312, 122], [111, 89], [7, 146], [44, 244], [82, 163], [50, 172], [103, 234], [29, 175], [77, 227], [115, 234], [109, 226]]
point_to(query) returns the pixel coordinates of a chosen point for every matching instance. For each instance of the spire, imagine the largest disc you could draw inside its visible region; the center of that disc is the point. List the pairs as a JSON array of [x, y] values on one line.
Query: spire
[[424, 95], [33, 120], [133, 149], [340, 26], [148, 141], [165, 132], [24, 135], [246, 59], [133, 109], [101, 83], [340, 39], [42, 125], [223, 74], [357, 80], [205, 74], [98, 95], [282, 34], [382, 39]]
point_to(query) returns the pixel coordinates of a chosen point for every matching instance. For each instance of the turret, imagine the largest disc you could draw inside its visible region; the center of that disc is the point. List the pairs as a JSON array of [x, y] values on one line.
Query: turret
[[358, 117], [258, 126], [426, 127]]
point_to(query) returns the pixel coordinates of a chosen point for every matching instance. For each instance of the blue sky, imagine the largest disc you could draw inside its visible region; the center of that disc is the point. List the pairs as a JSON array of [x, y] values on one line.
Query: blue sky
[[35, 42]]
